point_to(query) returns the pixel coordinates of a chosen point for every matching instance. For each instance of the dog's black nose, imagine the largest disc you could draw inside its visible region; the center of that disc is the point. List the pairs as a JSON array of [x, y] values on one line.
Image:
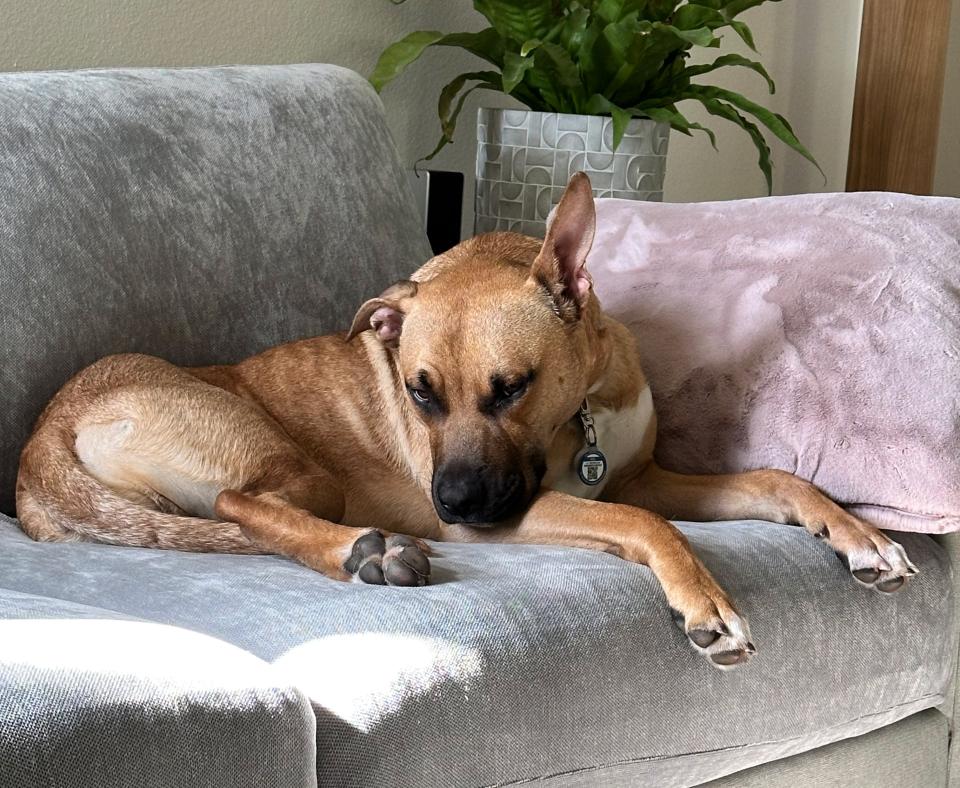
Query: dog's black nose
[[467, 494], [461, 494]]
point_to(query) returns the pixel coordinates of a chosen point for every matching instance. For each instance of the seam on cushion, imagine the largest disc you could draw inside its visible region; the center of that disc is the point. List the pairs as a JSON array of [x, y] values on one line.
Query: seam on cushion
[[907, 512], [14, 523], [306, 703], [137, 619], [732, 748], [95, 608]]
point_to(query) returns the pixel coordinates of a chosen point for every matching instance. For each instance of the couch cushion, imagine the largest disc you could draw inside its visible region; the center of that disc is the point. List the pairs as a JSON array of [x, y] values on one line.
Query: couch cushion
[[197, 214], [817, 333], [91, 698], [522, 662]]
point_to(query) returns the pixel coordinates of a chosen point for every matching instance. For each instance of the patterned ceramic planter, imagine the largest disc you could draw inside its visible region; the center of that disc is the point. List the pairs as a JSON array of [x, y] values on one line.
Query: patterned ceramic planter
[[524, 159]]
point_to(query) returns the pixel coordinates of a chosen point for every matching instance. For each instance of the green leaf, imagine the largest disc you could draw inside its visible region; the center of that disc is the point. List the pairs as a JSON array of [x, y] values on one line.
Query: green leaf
[[485, 44], [699, 36], [620, 36], [600, 105], [547, 95], [514, 67], [732, 60], [784, 121], [448, 112], [691, 16], [659, 10], [609, 11], [558, 59], [722, 110], [557, 30], [574, 28], [529, 46], [647, 57], [678, 121], [765, 116], [518, 20], [744, 32], [528, 96], [735, 7], [448, 119], [603, 51], [669, 81], [705, 130], [396, 57]]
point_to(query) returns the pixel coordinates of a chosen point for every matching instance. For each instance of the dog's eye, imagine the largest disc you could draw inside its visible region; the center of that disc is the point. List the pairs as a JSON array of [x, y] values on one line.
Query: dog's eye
[[420, 395], [423, 396], [508, 392]]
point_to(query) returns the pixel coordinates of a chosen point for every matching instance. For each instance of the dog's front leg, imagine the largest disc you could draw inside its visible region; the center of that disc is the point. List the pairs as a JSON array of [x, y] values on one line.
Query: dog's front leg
[[274, 521], [703, 609], [774, 496]]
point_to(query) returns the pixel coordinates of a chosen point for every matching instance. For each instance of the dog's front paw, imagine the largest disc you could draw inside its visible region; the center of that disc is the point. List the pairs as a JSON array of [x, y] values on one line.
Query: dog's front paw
[[391, 559], [718, 632], [874, 560]]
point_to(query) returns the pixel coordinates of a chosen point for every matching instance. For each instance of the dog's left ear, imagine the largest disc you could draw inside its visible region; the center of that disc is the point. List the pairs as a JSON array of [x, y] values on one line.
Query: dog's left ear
[[560, 266], [385, 313]]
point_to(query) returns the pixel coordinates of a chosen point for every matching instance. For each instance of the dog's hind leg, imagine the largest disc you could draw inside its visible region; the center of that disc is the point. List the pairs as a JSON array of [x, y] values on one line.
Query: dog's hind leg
[[244, 473], [137, 452], [774, 496], [207, 453]]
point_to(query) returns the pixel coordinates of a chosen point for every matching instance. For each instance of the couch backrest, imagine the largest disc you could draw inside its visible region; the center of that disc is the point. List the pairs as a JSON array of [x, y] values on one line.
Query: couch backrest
[[199, 214]]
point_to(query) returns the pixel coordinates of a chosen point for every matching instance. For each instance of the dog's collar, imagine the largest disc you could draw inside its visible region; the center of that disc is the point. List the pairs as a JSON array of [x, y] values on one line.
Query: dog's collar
[[586, 420], [590, 464]]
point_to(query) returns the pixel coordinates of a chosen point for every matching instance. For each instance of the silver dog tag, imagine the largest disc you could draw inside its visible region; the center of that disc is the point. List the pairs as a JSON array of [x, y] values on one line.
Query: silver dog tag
[[591, 466]]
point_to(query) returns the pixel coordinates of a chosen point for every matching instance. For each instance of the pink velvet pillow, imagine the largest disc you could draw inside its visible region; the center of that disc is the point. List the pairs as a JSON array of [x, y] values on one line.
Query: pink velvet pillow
[[819, 334]]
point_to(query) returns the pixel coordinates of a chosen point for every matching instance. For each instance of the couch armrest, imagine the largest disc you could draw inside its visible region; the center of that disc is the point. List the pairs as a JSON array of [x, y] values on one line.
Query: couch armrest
[[201, 215], [93, 699], [951, 543]]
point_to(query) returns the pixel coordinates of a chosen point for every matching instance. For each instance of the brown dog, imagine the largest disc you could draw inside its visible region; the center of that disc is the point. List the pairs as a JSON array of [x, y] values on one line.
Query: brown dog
[[448, 412]]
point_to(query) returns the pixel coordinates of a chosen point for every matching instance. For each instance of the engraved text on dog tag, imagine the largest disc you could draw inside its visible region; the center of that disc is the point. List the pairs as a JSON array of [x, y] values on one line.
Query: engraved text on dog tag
[[591, 466]]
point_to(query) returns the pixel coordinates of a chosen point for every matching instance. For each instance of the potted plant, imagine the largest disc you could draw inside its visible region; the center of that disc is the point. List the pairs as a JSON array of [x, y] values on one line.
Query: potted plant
[[602, 80]]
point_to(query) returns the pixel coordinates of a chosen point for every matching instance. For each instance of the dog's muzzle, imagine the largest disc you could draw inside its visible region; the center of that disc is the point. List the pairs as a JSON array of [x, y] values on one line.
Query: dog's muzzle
[[478, 495]]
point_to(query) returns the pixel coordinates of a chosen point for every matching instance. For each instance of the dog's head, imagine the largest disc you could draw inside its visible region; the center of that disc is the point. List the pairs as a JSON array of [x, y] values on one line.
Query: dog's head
[[495, 343]]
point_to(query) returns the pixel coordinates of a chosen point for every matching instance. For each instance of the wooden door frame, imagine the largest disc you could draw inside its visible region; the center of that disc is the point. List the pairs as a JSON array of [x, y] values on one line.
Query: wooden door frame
[[898, 96]]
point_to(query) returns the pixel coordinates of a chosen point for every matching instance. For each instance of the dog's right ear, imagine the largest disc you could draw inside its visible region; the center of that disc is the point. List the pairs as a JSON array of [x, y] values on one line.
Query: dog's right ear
[[560, 268], [385, 313]]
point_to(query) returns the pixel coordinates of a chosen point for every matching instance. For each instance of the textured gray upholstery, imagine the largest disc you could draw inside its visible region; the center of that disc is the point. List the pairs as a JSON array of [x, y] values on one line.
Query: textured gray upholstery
[[90, 698], [909, 754], [527, 662], [951, 544], [198, 214]]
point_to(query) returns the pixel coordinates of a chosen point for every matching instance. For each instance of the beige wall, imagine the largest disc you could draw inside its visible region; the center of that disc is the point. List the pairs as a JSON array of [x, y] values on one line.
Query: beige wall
[[947, 181], [809, 47]]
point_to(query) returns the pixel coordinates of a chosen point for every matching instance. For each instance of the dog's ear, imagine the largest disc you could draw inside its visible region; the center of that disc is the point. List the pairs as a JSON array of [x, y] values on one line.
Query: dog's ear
[[560, 266], [385, 313]]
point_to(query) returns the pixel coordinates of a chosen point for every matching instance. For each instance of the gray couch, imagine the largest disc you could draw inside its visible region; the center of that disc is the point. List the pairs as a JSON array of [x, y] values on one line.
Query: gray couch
[[203, 215]]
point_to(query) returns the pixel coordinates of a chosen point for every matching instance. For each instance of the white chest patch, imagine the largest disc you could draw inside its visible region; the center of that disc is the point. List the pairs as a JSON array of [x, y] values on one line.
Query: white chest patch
[[620, 435]]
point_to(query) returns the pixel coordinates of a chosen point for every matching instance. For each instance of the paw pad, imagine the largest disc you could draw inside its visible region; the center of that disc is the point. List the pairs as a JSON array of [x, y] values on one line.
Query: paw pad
[[395, 560], [725, 641]]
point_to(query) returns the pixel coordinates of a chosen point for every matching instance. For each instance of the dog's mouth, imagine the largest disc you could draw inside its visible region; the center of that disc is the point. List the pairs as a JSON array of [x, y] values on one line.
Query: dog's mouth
[[486, 518], [480, 496]]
